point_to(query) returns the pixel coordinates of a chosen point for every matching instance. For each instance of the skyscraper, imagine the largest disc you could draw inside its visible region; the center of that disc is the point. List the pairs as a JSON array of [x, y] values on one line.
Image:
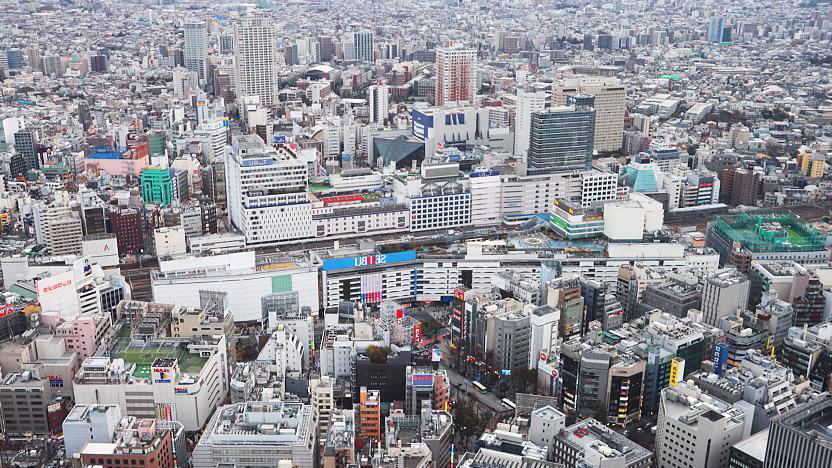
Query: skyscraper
[[610, 105], [527, 103], [364, 46], [456, 75], [562, 138], [196, 48], [255, 55], [716, 27], [379, 98]]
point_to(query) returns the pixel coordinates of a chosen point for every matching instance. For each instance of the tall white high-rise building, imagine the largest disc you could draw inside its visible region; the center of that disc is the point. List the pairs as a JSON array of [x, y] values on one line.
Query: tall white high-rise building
[[196, 48], [456, 75], [695, 430], [256, 59], [365, 50], [610, 105], [379, 97], [527, 103], [266, 190]]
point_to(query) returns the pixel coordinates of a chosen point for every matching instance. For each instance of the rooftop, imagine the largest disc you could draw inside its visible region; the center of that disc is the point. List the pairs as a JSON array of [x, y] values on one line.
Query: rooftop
[[599, 442]]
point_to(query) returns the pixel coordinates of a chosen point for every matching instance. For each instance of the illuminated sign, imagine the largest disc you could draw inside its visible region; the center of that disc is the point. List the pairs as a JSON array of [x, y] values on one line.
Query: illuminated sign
[[417, 333], [436, 356], [543, 356], [180, 390], [368, 260], [677, 370], [56, 381], [279, 139], [459, 294]]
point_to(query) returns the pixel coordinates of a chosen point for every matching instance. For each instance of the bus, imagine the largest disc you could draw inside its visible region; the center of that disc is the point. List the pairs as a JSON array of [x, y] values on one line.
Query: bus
[[508, 403], [480, 387]]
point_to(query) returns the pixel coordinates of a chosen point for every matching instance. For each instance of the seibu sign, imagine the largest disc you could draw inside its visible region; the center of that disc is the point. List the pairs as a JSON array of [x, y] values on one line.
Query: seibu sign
[[379, 259]]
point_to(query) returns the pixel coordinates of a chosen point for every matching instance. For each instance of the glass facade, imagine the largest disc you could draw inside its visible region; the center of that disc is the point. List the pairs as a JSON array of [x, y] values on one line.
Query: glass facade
[[561, 139]]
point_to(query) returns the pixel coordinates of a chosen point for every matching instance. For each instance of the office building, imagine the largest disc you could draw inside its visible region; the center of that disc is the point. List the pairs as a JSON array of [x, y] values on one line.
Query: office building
[[697, 430], [589, 443], [157, 185], [149, 443], [543, 335], [89, 424], [724, 293], [610, 105], [196, 48], [802, 437], [279, 430], [339, 441], [24, 397], [369, 413], [365, 50], [562, 138], [267, 198], [322, 398], [255, 58], [25, 143], [126, 224], [750, 452], [64, 236], [674, 297], [456, 76]]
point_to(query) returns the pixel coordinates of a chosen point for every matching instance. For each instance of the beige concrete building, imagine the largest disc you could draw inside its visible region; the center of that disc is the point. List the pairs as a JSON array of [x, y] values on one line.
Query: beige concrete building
[[610, 104]]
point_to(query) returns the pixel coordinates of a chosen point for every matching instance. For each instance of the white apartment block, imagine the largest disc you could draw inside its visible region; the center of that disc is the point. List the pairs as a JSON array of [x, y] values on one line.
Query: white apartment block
[[196, 48], [267, 197], [379, 100], [527, 102], [256, 59], [610, 105]]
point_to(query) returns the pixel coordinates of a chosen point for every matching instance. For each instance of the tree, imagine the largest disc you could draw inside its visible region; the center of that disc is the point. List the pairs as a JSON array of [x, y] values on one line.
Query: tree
[[466, 421], [601, 414], [377, 354]]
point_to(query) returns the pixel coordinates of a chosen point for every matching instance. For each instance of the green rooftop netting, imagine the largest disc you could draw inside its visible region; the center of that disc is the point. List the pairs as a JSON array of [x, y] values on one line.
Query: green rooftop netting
[[770, 232]]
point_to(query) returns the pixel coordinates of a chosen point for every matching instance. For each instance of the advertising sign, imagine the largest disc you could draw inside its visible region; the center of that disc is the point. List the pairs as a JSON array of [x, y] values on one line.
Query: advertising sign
[[162, 374], [720, 357], [436, 355], [56, 381], [677, 371], [368, 260], [423, 380], [57, 293], [417, 333]]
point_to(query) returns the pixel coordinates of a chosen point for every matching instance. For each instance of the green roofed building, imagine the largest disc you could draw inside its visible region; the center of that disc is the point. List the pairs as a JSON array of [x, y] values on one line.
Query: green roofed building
[[766, 236], [157, 185]]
